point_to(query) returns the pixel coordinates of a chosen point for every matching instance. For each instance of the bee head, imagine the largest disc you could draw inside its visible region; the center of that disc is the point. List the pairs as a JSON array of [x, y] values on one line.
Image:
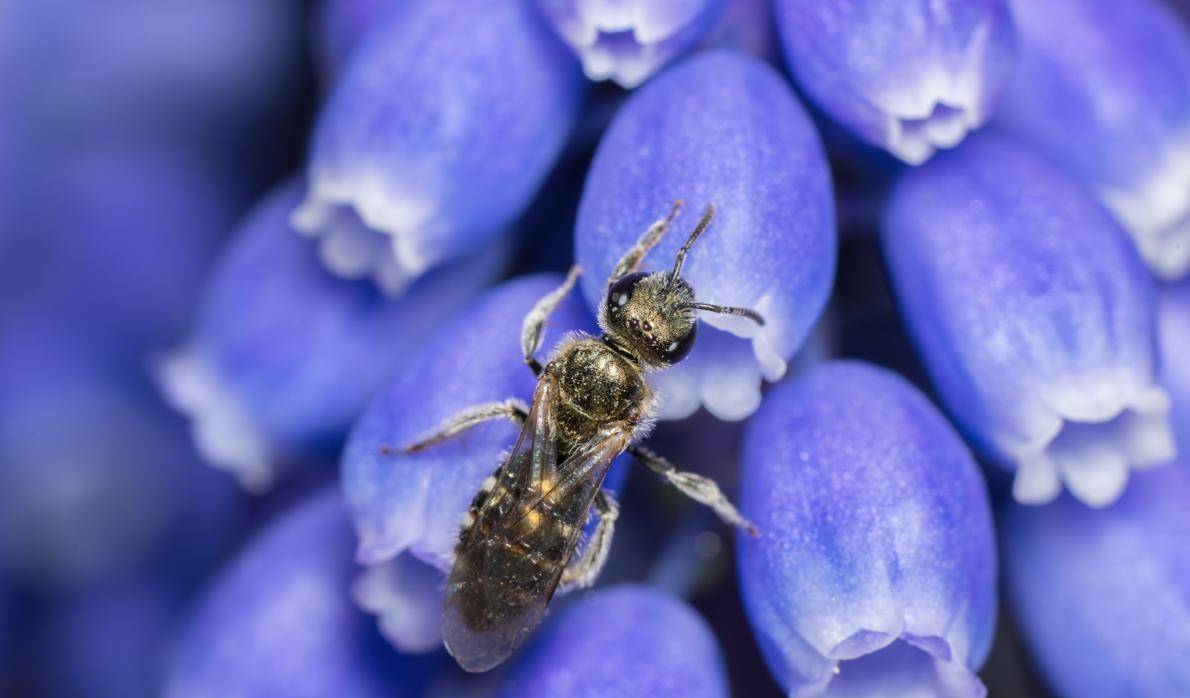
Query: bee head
[[652, 316]]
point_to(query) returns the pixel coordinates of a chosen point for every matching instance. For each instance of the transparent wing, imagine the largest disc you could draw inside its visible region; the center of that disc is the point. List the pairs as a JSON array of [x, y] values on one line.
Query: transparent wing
[[511, 557]]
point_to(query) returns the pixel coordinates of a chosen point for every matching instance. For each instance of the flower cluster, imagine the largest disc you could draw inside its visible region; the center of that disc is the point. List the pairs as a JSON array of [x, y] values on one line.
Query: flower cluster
[[252, 252]]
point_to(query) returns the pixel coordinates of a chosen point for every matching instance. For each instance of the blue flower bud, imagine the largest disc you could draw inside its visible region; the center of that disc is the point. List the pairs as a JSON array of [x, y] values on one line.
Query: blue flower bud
[[283, 356], [280, 621], [1033, 316], [437, 135], [875, 568], [622, 641], [910, 77], [1103, 88], [630, 41], [407, 507], [723, 129], [1100, 595]]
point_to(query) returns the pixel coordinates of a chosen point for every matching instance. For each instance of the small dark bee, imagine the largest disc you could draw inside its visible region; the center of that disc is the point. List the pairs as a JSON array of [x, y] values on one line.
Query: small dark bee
[[591, 404]]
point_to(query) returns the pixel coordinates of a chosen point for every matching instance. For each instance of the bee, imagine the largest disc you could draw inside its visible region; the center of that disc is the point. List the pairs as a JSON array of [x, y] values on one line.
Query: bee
[[519, 537]]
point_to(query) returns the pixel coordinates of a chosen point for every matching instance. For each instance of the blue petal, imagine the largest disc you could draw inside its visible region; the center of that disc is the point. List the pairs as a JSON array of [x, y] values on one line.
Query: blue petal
[[722, 129], [436, 137], [630, 41], [1173, 329], [1102, 88], [1101, 594], [1034, 317], [910, 77], [284, 356], [876, 564], [414, 502], [626, 641], [280, 621]]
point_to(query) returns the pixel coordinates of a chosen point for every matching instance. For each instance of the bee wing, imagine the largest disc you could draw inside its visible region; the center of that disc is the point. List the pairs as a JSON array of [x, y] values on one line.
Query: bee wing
[[513, 555]]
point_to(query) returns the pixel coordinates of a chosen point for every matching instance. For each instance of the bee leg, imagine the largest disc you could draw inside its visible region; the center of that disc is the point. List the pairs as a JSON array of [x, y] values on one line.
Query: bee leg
[[701, 489], [534, 324], [511, 409], [631, 260], [583, 572]]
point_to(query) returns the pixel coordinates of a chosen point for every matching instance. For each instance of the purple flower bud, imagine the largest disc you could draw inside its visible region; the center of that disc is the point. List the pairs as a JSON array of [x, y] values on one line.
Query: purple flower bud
[[412, 503], [280, 621], [1101, 594], [1103, 88], [284, 356], [722, 129], [910, 77], [875, 568], [436, 137], [623, 641], [630, 41], [1034, 318]]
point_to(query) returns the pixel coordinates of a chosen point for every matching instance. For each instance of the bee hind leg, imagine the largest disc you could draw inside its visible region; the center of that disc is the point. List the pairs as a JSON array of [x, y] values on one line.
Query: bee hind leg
[[532, 329], [583, 572], [512, 409], [701, 489]]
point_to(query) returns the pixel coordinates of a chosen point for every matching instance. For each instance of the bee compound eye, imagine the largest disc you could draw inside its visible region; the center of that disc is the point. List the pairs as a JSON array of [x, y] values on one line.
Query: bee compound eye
[[679, 349], [621, 291]]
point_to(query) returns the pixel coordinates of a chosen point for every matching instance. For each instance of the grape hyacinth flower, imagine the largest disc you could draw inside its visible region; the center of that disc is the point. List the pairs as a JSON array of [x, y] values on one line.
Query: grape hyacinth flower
[[720, 128], [630, 41], [1101, 594], [407, 507], [875, 570], [622, 641], [909, 77], [1173, 330], [283, 356], [436, 137], [280, 621], [1033, 316], [1103, 88]]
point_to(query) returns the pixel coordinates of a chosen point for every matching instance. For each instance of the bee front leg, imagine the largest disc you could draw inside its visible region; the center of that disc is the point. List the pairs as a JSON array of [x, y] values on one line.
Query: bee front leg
[[701, 489], [511, 409], [583, 572], [534, 324]]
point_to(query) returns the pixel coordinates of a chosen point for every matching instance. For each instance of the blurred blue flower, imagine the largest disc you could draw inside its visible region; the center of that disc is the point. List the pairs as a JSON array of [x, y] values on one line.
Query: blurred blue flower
[[875, 569], [412, 503], [622, 642], [283, 356], [910, 77], [1173, 329], [280, 621], [720, 128], [1034, 317], [438, 134], [74, 70], [1101, 594], [93, 478], [1103, 88], [341, 26], [630, 40]]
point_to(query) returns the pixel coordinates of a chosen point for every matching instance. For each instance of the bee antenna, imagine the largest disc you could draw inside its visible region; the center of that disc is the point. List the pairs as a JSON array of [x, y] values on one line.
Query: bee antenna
[[698, 231], [728, 310]]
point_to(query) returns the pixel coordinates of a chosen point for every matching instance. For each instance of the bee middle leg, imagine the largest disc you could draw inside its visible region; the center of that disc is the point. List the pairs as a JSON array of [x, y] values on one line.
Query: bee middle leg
[[583, 572], [701, 489], [511, 409], [533, 326]]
